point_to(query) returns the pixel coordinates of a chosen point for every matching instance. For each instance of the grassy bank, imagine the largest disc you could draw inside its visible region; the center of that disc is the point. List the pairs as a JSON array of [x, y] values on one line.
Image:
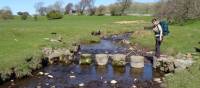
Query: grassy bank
[[19, 40], [182, 39]]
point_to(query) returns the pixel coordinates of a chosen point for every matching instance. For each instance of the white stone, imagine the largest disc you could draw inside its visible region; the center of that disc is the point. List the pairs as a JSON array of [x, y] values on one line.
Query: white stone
[[158, 80], [50, 76], [46, 73], [137, 61], [101, 59], [72, 76], [113, 81], [81, 84], [40, 73]]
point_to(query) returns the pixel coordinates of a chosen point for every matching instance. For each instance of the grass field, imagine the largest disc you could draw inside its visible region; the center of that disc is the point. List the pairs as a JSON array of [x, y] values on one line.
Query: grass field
[[21, 39]]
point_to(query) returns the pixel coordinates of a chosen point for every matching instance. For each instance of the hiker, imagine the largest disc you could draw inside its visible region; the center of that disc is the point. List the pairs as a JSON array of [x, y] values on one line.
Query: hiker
[[157, 28]]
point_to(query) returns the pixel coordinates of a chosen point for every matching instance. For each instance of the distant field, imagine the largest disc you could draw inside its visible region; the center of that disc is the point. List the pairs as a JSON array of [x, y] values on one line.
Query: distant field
[[20, 39]]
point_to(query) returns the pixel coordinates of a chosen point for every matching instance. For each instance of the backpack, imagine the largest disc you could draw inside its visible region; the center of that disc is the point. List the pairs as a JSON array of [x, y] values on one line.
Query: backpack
[[165, 28]]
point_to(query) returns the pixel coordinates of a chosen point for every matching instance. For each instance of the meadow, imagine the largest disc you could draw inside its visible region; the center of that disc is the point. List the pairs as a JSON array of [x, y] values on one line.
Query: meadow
[[20, 39]]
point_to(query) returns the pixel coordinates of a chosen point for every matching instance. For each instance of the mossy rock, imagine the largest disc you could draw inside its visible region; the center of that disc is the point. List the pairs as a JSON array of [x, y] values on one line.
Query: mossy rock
[[85, 59]]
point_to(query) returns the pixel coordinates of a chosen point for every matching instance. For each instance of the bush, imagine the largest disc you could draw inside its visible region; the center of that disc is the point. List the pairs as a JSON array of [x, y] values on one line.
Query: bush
[[115, 10], [54, 15], [6, 14], [101, 10], [24, 15]]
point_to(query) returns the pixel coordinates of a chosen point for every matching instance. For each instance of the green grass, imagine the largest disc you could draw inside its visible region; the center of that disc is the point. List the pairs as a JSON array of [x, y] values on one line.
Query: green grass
[[19, 40], [30, 36], [182, 39]]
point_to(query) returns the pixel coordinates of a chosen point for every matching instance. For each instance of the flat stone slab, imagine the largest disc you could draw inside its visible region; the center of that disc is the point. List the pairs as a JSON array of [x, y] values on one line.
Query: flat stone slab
[[101, 59], [137, 61], [85, 59], [118, 59]]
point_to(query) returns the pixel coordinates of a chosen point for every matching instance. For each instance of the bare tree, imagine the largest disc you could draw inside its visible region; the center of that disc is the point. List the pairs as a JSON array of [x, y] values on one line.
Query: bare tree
[[40, 8], [100, 10], [178, 10], [91, 7], [68, 8], [124, 4], [57, 6]]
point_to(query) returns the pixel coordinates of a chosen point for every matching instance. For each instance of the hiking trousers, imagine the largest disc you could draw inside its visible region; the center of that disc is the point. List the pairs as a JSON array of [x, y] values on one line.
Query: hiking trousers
[[157, 47]]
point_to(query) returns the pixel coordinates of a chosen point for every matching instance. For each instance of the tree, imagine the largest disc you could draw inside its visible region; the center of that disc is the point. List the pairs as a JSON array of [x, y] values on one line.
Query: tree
[[91, 7], [69, 8], [124, 4], [54, 15], [84, 4], [100, 10], [6, 13], [40, 8], [178, 11], [24, 15], [115, 9]]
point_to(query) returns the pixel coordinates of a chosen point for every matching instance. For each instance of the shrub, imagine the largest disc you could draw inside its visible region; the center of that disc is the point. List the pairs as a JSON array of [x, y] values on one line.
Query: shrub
[[54, 15], [24, 15], [6, 14]]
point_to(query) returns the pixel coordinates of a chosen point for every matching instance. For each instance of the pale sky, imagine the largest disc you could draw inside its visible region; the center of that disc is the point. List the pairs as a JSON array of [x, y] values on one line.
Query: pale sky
[[28, 5]]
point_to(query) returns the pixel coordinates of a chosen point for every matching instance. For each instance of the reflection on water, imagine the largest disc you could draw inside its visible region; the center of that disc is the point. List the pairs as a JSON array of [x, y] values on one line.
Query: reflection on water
[[87, 74]]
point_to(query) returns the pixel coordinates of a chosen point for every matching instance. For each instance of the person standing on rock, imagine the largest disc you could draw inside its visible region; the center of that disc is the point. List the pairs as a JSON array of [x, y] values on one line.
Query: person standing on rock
[[157, 28]]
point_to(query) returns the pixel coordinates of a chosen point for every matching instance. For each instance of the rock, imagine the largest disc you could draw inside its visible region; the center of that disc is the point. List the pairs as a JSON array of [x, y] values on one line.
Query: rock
[[118, 59], [38, 86], [180, 56], [137, 61], [81, 84], [72, 76], [158, 80], [101, 59], [53, 87], [113, 81], [133, 86], [60, 54], [50, 76], [46, 73], [40, 73], [183, 64], [124, 41], [85, 59]]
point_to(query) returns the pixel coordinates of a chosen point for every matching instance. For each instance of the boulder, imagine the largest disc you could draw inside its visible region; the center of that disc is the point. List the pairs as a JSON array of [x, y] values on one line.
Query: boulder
[[183, 64], [137, 61], [61, 54], [85, 59], [118, 59], [101, 59]]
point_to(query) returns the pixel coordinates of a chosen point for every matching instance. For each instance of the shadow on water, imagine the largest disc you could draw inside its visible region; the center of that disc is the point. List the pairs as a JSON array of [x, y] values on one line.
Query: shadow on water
[[93, 76]]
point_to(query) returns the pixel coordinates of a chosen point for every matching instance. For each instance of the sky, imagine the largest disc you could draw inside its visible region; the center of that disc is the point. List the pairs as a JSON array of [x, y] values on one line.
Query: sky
[[28, 5]]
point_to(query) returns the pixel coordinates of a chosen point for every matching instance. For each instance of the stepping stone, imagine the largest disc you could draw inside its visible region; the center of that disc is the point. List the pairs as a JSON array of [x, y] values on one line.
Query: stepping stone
[[101, 59], [118, 59], [85, 59], [137, 61]]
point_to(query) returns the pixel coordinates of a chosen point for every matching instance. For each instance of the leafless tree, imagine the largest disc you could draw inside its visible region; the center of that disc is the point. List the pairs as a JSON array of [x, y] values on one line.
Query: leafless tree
[[68, 8], [101, 10], [178, 10], [124, 4], [91, 7], [40, 8]]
